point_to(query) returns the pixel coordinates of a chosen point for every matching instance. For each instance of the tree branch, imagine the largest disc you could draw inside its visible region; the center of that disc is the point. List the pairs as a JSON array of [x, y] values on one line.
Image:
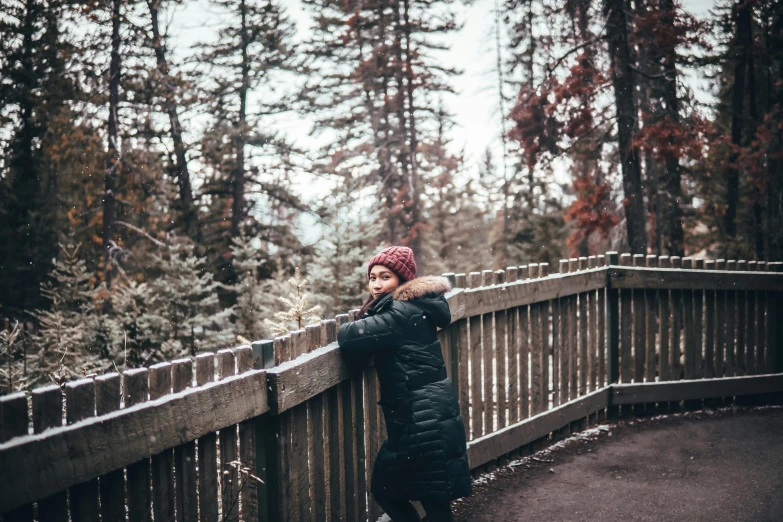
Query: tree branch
[[140, 231], [661, 76], [571, 51]]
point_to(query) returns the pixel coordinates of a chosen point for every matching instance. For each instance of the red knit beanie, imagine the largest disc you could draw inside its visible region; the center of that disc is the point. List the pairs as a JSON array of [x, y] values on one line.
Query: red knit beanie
[[398, 259]]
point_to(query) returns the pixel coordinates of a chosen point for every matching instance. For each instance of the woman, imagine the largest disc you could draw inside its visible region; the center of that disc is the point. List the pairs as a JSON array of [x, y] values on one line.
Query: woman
[[425, 456]]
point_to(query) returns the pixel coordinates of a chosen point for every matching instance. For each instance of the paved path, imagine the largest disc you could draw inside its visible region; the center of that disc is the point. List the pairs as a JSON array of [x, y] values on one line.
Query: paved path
[[696, 467]]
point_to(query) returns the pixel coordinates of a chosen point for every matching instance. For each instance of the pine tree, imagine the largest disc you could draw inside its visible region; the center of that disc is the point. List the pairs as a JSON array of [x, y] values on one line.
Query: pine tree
[[35, 86], [169, 91], [495, 187], [107, 145], [248, 311], [546, 124], [648, 129], [187, 318], [739, 180], [11, 377], [113, 166], [538, 232], [256, 297], [348, 240], [770, 134], [459, 222], [626, 111], [672, 132], [66, 330], [458, 213], [132, 331], [248, 56], [376, 88], [591, 213], [505, 171], [298, 314]]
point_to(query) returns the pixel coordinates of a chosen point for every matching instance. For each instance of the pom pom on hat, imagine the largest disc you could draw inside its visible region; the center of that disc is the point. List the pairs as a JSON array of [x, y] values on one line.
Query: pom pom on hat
[[398, 259]]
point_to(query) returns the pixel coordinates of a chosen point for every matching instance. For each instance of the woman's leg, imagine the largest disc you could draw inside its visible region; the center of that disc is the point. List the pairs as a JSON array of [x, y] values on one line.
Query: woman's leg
[[438, 510], [399, 510]]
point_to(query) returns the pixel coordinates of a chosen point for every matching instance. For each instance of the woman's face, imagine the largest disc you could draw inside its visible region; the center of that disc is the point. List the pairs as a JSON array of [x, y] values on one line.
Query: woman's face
[[382, 280]]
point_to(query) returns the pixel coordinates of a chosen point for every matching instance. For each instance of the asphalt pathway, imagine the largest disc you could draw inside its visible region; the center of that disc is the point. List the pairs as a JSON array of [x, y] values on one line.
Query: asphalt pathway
[[699, 466]]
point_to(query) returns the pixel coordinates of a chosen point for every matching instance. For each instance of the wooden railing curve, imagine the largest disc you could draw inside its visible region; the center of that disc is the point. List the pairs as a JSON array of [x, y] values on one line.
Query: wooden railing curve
[[532, 355]]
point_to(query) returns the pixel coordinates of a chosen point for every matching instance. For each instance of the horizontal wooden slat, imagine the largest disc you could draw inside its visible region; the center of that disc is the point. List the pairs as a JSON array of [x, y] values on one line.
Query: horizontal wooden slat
[[61, 457], [456, 299], [489, 447], [681, 279], [695, 389], [300, 379], [483, 300]]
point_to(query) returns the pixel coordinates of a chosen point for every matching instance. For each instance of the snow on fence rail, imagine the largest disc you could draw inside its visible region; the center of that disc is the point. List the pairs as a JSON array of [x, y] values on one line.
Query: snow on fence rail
[[532, 355]]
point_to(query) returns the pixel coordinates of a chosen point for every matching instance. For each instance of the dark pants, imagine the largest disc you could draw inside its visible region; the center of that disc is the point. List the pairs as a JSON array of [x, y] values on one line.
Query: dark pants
[[400, 510]]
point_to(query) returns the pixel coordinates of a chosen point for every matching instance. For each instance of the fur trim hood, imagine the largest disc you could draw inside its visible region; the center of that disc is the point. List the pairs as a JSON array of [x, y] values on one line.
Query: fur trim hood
[[422, 286]]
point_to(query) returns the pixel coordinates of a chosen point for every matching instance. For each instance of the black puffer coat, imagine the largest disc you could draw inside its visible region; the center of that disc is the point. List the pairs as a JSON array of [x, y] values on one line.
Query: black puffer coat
[[425, 456]]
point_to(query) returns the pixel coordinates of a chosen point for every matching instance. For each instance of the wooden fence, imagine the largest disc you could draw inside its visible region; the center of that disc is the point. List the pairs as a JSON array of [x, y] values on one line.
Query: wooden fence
[[532, 355]]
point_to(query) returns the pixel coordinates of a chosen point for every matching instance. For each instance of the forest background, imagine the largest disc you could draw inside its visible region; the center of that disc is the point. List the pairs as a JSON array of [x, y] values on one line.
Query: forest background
[[166, 167]]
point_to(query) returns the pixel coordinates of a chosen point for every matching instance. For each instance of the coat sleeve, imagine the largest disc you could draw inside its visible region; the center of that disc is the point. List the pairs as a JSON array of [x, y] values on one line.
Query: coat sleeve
[[373, 333]]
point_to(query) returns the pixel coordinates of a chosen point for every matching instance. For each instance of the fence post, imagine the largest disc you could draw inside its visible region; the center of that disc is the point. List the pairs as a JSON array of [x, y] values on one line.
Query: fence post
[[513, 354], [709, 326], [612, 323], [676, 346], [612, 329], [639, 331], [135, 386], [477, 405], [186, 490], [775, 317], [268, 442], [163, 462], [601, 329], [458, 346], [762, 306], [259, 428], [625, 298], [565, 343], [14, 423]]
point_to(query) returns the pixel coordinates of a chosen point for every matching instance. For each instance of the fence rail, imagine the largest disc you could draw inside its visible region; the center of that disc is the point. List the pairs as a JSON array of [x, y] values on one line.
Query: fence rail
[[533, 356]]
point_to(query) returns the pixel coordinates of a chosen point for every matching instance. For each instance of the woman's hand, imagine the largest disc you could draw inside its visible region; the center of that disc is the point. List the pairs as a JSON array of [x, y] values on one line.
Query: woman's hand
[[373, 333]]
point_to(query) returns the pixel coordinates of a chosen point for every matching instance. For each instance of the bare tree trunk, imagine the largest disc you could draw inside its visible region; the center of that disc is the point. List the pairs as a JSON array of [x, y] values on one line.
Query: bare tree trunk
[[654, 200], [672, 200], [506, 239], [531, 48], [378, 117], [531, 83], [583, 163], [774, 165], [758, 224], [21, 164], [625, 103], [112, 155], [648, 58], [414, 183], [189, 214], [238, 179], [742, 13], [407, 135]]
